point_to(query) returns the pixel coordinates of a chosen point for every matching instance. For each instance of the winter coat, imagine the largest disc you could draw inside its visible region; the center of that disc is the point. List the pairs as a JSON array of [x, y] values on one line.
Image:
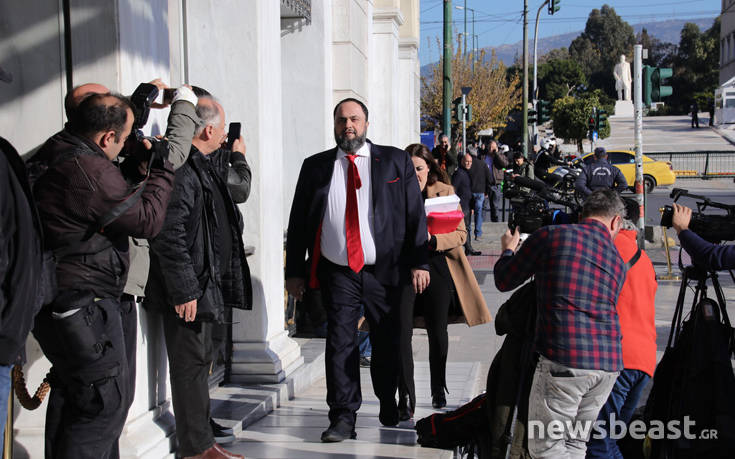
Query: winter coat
[[185, 263]]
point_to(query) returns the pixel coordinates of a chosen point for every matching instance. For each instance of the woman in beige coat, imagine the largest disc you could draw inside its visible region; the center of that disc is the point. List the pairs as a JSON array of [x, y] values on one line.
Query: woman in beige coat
[[450, 272]]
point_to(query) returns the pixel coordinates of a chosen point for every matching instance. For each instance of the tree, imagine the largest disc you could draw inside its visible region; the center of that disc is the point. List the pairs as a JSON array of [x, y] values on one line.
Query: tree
[[554, 54], [696, 67], [492, 95], [606, 36], [660, 54], [571, 118], [560, 78]]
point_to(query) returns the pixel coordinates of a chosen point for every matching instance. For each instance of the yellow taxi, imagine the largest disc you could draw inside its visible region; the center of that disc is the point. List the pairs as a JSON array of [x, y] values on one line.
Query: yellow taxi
[[654, 172]]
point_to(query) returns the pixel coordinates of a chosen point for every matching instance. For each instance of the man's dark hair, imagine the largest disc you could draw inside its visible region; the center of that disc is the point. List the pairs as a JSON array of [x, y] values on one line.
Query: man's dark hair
[[442, 136], [101, 113], [351, 99], [517, 155], [600, 153], [603, 203], [200, 92]]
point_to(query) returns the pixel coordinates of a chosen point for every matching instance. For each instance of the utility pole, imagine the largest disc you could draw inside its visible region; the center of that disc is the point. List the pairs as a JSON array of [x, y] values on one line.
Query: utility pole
[[464, 8], [447, 71], [465, 28], [535, 71], [638, 110], [524, 124]]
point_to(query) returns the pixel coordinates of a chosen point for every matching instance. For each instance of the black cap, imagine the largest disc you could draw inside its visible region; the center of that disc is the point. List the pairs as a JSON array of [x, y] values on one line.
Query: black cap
[[600, 152]]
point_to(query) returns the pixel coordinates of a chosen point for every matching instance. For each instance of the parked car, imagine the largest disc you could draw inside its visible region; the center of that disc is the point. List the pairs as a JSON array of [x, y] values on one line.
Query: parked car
[[655, 172]]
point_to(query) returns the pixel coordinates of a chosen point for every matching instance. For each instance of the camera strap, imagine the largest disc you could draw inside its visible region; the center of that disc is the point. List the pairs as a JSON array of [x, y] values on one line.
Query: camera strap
[[118, 210], [634, 259]]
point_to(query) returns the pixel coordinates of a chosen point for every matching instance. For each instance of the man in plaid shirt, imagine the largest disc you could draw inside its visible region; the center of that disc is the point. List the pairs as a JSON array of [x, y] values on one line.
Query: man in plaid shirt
[[579, 274]]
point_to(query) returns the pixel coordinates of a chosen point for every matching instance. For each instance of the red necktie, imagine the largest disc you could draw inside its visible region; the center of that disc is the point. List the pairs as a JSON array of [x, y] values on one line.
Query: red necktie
[[355, 258]]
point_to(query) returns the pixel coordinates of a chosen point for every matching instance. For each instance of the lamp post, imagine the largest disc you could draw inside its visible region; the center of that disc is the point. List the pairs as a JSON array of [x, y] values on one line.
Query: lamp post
[[473, 32], [535, 65]]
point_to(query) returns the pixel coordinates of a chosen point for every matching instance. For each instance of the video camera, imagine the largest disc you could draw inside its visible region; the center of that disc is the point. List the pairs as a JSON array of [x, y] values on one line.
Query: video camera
[[714, 228], [530, 199]]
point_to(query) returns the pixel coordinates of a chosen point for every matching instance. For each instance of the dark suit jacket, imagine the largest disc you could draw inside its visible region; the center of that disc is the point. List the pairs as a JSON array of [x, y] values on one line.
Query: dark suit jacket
[[399, 219]]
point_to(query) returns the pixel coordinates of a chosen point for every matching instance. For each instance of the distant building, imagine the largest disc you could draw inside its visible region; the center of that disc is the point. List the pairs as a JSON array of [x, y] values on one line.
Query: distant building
[[727, 41]]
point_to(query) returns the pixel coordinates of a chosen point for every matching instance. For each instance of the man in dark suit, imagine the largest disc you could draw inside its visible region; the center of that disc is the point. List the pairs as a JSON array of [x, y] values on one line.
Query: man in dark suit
[[359, 213]]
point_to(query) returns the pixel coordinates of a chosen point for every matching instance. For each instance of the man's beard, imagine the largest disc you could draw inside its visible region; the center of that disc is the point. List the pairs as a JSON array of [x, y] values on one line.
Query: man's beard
[[350, 145]]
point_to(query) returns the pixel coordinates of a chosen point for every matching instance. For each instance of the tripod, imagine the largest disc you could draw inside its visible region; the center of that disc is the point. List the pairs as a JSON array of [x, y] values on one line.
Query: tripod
[[700, 275]]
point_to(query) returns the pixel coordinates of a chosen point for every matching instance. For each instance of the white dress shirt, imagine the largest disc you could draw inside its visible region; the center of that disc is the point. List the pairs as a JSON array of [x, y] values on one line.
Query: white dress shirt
[[333, 240]]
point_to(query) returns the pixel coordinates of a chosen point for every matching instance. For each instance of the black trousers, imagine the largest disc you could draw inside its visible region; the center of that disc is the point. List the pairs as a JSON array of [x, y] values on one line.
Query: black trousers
[[90, 397], [190, 355], [433, 304], [343, 293], [467, 222]]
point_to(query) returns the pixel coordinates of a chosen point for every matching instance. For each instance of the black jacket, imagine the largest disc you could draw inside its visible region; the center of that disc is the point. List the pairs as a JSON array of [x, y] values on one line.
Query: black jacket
[[480, 176], [399, 218], [75, 187], [20, 255], [461, 184], [185, 262], [598, 175]]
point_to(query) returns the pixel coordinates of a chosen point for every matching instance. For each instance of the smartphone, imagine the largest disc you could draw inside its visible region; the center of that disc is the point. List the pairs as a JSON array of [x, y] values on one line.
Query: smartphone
[[168, 95], [233, 134]]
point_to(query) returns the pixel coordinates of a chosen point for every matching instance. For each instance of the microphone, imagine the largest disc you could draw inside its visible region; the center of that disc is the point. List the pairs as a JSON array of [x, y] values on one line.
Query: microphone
[[533, 184]]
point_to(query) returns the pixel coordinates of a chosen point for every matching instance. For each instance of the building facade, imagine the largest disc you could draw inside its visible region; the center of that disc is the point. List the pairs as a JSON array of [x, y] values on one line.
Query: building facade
[[278, 67], [727, 41]]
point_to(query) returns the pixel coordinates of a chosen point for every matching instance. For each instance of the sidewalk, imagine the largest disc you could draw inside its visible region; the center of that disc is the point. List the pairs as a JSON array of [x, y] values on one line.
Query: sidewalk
[[278, 427]]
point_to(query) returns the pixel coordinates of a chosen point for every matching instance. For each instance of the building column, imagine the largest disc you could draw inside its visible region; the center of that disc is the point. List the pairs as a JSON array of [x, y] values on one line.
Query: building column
[[385, 80], [234, 51], [409, 103]]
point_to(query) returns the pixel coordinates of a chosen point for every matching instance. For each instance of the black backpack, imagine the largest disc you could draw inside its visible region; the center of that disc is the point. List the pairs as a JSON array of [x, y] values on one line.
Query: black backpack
[[464, 428]]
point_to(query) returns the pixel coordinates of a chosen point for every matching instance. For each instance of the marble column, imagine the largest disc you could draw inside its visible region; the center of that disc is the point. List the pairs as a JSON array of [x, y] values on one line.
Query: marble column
[[384, 79]]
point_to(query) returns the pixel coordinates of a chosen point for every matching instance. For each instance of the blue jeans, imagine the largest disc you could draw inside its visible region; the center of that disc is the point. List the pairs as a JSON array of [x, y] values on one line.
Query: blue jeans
[[622, 401], [495, 197], [363, 340], [4, 393], [477, 200]]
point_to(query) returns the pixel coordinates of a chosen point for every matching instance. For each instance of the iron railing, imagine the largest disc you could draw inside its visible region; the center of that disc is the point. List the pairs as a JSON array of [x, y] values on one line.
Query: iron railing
[[699, 164], [296, 9]]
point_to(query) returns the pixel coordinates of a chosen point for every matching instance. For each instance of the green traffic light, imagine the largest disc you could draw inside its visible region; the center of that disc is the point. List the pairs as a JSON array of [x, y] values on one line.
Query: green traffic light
[[647, 85], [554, 6], [658, 77], [544, 110], [532, 116]]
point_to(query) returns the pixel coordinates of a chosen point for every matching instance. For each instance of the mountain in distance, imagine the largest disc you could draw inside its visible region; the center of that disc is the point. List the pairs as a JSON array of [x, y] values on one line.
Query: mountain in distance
[[665, 31]]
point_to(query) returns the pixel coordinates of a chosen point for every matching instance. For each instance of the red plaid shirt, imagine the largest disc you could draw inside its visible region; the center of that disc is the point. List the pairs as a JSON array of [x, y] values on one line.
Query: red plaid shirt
[[579, 274]]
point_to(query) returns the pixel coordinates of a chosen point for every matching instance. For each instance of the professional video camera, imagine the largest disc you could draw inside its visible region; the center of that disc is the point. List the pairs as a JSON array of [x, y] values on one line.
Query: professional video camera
[[530, 199], [714, 228]]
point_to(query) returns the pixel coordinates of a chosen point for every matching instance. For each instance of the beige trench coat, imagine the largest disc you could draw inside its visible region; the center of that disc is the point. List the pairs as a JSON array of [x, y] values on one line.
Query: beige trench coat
[[471, 300]]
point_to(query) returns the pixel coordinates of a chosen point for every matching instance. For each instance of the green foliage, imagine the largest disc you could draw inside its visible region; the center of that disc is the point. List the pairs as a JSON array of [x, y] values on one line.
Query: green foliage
[[559, 78], [571, 116], [696, 67], [606, 36]]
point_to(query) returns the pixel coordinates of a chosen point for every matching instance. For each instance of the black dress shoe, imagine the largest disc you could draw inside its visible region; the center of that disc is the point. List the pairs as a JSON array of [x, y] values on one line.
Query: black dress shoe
[[339, 431], [404, 410], [388, 413], [438, 401], [221, 433]]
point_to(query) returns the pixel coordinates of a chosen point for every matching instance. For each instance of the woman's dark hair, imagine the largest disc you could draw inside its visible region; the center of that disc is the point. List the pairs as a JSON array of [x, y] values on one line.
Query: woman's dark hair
[[435, 172]]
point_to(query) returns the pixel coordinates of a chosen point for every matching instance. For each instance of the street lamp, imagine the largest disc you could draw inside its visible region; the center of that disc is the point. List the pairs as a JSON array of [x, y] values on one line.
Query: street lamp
[[474, 51]]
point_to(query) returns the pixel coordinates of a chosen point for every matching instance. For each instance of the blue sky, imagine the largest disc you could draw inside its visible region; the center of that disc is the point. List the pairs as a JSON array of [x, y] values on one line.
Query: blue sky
[[499, 22]]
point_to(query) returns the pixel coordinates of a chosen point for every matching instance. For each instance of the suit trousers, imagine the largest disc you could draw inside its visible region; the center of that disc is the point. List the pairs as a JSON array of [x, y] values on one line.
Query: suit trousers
[[190, 353], [89, 400], [343, 293]]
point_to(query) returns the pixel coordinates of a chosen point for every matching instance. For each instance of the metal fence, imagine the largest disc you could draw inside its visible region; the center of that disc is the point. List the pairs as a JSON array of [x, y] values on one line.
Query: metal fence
[[699, 164]]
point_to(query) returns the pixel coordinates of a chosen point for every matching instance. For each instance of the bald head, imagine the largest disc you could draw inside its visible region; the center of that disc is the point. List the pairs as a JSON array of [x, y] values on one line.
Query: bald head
[[78, 94], [467, 161], [210, 133]]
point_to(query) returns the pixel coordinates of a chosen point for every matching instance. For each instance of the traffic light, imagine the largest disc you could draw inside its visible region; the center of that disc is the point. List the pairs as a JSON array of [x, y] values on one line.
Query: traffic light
[[469, 113], [600, 119], [653, 90], [591, 122], [554, 6], [457, 109], [532, 116], [544, 110]]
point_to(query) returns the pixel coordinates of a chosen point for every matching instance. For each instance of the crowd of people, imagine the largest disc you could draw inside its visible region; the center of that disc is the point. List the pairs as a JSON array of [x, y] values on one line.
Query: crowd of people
[[357, 231]]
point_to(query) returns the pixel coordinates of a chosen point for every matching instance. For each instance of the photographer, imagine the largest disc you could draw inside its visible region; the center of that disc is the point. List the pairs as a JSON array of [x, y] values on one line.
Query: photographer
[[88, 211], [578, 274], [713, 256]]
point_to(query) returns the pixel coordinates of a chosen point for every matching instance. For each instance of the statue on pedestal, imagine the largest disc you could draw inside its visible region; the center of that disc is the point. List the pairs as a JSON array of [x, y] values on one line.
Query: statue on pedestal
[[621, 72]]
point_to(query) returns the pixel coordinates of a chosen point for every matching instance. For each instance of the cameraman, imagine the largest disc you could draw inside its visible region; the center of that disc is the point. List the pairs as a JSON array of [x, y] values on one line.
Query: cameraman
[[88, 211], [713, 256]]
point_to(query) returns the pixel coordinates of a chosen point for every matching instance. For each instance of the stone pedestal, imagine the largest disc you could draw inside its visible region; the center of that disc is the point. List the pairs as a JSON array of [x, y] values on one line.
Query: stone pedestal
[[623, 109]]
